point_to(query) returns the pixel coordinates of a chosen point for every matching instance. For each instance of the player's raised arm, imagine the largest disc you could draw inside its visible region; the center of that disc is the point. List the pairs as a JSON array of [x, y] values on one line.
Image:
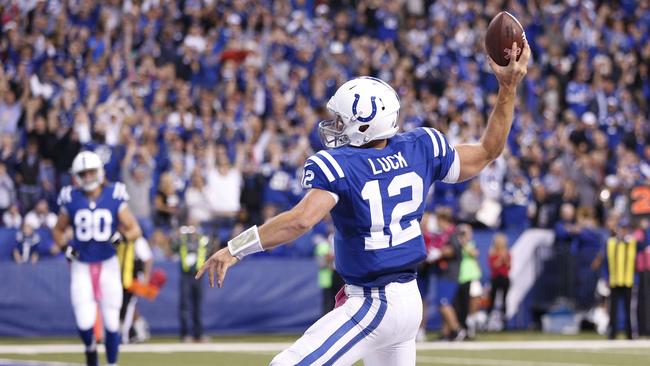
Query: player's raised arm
[[280, 229], [474, 157]]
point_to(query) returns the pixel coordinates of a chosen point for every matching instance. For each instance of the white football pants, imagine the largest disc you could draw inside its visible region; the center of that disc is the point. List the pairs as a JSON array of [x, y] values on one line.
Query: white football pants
[[376, 324], [92, 284]]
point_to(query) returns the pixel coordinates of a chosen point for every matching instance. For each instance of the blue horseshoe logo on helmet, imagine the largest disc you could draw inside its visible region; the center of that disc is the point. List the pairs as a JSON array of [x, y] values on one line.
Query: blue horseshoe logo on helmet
[[372, 114]]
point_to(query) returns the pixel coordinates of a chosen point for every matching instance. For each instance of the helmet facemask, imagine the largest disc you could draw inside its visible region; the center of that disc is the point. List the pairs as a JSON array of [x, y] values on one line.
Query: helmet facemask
[[90, 179], [332, 132]]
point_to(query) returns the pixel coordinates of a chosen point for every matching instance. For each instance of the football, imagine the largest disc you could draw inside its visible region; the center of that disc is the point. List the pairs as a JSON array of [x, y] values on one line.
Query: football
[[503, 30]]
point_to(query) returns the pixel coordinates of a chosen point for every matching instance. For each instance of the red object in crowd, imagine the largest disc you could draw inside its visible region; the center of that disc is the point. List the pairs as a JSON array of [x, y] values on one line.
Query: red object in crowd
[[235, 55], [499, 267]]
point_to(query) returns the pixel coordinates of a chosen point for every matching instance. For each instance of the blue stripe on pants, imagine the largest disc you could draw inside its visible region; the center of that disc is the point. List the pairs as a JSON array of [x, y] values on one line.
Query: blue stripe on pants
[[369, 329], [346, 327]]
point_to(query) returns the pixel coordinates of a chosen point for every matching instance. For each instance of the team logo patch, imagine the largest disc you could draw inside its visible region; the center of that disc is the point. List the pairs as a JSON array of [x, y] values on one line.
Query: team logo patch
[[372, 114]]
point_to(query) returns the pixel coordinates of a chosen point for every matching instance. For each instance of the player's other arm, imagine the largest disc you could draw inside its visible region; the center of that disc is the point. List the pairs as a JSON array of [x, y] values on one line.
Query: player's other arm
[[129, 226], [280, 229], [474, 157], [59, 233]]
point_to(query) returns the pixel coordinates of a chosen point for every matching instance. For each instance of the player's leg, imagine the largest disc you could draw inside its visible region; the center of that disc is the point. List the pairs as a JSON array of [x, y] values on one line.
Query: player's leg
[[335, 333], [369, 320], [395, 337], [111, 302], [399, 354], [84, 306]]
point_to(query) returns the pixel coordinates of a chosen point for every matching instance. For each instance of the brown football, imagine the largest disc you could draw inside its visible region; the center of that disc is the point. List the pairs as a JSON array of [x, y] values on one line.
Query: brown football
[[503, 30]]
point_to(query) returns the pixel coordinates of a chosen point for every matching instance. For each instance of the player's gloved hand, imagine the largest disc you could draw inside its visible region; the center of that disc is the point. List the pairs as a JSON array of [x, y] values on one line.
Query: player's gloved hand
[[116, 239], [71, 253]]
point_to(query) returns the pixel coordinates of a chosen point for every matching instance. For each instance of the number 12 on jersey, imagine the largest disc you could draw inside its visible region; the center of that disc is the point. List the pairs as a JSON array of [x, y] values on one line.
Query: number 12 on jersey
[[371, 192]]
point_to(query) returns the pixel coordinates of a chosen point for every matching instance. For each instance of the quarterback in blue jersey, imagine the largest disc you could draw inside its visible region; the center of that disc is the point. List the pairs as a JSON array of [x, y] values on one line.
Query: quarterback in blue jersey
[[374, 182], [100, 218]]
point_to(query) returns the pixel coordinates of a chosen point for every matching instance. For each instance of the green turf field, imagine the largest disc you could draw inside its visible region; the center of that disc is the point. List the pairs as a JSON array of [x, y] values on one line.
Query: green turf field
[[609, 357], [543, 351]]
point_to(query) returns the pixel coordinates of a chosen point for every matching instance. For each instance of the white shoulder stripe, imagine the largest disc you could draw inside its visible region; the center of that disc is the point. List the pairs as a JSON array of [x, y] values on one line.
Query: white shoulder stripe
[[332, 161], [321, 164], [443, 142], [433, 141]]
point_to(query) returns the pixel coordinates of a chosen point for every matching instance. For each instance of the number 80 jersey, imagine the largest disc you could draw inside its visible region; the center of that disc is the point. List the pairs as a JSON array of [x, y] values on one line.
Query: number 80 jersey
[[381, 194], [93, 222]]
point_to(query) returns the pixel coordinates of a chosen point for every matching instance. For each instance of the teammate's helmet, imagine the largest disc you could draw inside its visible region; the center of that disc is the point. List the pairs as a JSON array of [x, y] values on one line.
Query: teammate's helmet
[[88, 161], [366, 109]]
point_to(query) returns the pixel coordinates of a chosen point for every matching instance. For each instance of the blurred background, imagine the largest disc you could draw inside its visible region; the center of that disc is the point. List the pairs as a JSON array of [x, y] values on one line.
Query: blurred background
[[207, 110]]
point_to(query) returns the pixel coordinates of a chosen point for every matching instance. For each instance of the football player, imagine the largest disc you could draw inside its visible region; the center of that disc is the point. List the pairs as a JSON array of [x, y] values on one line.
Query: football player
[[100, 218], [374, 182]]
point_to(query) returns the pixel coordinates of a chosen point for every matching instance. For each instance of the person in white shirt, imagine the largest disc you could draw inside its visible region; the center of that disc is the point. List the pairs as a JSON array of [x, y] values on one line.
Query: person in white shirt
[[196, 200], [11, 218], [40, 216], [224, 184]]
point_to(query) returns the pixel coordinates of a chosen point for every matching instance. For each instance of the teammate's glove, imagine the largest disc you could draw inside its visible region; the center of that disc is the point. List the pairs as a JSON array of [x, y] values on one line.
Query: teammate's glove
[[71, 253], [116, 239]]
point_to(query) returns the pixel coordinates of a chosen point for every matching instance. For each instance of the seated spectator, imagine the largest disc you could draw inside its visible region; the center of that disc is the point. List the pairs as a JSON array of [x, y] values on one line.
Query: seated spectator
[[7, 189], [27, 175], [27, 241], [516, 199], [11, 218], [41, 217]]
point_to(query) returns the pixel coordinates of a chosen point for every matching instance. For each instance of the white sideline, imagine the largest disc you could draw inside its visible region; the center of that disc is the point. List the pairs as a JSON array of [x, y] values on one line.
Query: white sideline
[[276, 347]]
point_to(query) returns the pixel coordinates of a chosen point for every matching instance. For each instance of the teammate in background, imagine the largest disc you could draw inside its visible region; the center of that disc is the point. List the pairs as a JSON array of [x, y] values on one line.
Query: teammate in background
[[374, 182], [100, 218]]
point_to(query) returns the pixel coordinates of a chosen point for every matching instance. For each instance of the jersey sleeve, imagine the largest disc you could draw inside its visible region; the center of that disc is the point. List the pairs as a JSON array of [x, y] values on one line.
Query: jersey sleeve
[[324, 172], [64, 199], [448, 167], [120, 194]]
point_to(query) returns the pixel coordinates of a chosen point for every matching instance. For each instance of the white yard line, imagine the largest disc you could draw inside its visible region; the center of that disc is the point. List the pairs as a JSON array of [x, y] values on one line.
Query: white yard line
[[531, 345], [493, 362], [276, 347], [35, 363]]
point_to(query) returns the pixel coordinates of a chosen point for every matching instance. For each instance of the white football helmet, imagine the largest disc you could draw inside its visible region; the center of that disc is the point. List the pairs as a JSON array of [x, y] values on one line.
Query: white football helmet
[[366, 109], [83, 162]]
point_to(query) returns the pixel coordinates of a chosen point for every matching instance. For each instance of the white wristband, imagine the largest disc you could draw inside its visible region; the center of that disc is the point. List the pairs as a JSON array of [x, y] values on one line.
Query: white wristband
[[245, 243]]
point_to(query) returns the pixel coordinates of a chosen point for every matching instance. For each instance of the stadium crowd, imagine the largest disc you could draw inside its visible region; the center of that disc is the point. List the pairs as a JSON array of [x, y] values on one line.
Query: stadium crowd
[[207, 109]]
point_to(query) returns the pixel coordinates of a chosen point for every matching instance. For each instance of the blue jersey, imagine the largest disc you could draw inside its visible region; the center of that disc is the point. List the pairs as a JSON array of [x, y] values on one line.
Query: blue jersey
[[93, 222], [381, 194]]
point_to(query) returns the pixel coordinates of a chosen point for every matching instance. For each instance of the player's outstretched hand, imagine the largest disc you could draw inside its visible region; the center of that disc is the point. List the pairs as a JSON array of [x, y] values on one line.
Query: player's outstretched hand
[[510, 75], [219, 263]]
